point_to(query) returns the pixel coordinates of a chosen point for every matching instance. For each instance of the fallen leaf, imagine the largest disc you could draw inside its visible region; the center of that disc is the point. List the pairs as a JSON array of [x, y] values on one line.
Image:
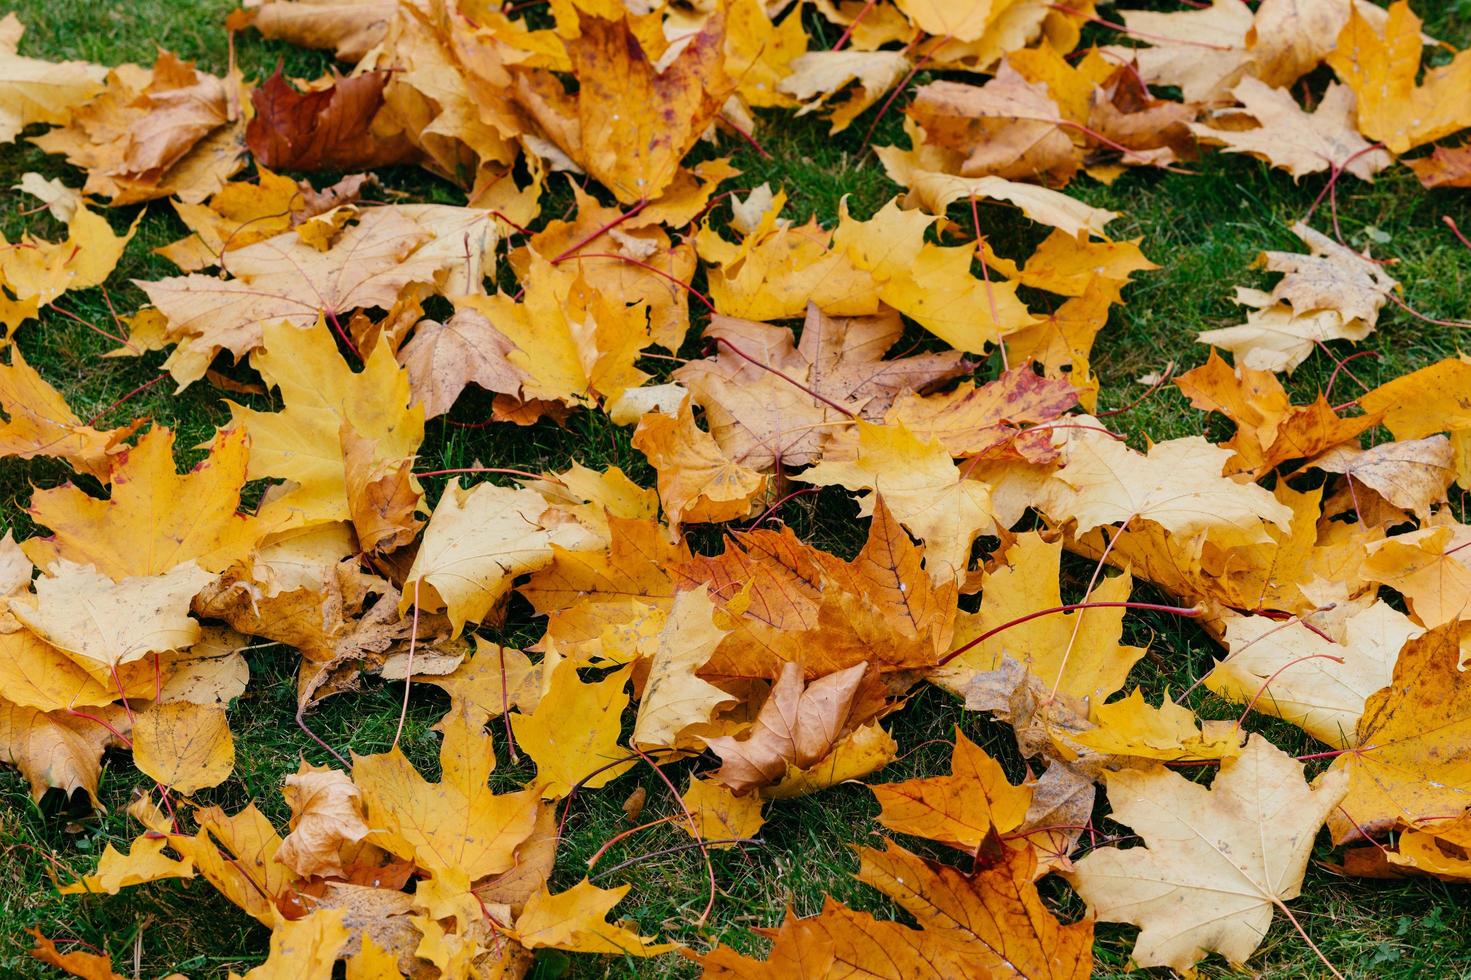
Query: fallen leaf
[[576, 920], [798, 726], [1297, 141], [36, 91], [104, 624], [1288, 670], [154, 520], [1407, 763], [186, 747], [720, 815], [326, 814], [456, 826], [329, 128], [963, 809], [1381, 63], [698, 482], [572, 736], [1218, 860], [923, 488]]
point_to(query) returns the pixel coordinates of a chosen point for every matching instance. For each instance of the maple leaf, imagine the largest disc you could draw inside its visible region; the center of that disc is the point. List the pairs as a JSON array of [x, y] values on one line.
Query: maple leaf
[[759, 416], [144, 862], [1411, 475], [576, 919], [1068, 266], [646, 267], [962, 809], [349, 27], [1428, 568], [818, 76], [58, 748], [779, 268], [456, 826], [1177, 484], [35, 674], [989, 924], [698, 482], [444, 358], [720, 815], [1134, 729], [1009, 127], [931, 187], [1292, 672], [168, 130], [1407, 763], [1381, 62], [38, 271], [40, 423], [327, 128], [1297, 141], [630, 122], [573, 733], [321, 395], [477, 541], [1077, 653], [1270, 430], [283, 279], [241, 213], [930, 283], [1203, 51], [1218, 860], [491, 682], [572, 344], [921, 485], [1445, 167], [36, 91], [586, 592], [986, 420], [995, 916], [1428, 401], [104, 624], [89, 966], [675, 699], [326, 815], [185, 746]]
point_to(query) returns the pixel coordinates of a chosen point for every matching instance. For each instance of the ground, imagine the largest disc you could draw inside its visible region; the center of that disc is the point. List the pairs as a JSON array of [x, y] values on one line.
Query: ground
[[1204, 228]]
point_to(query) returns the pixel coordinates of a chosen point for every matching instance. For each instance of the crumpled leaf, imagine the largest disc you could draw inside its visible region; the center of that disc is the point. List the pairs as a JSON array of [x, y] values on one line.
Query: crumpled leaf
[[798, 725]]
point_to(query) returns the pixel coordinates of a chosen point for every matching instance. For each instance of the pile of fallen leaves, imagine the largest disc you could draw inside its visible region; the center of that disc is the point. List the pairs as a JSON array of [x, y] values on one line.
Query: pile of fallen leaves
[[1334, 576]]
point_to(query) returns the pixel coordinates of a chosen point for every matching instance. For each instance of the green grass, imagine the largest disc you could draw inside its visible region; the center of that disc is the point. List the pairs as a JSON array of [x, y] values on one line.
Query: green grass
[[1203, 228]]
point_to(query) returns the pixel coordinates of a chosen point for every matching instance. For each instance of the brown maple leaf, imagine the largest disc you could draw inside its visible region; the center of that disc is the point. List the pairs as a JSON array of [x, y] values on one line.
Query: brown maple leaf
[[326, 128]]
